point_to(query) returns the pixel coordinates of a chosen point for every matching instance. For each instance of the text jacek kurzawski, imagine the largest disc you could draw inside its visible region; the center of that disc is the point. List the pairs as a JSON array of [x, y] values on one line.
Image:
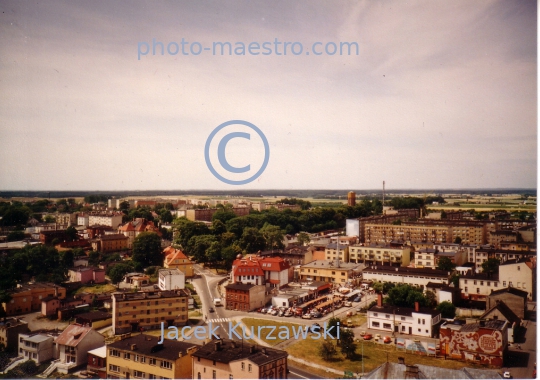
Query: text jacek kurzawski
[[240, 331]]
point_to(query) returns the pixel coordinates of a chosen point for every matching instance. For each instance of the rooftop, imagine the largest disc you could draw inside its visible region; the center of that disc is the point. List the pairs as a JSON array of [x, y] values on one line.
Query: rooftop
[[147, 345], [226, 351]]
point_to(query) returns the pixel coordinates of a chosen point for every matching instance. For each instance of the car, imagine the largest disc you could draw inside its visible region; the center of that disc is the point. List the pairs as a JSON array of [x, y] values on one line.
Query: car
[[377, 336], [368, 336], [306, 316], [274, 312], [280, 313], [347, 304], [507, 375], [357, 299], [288, 313], [211, 310], [387, 339], [316, 314]]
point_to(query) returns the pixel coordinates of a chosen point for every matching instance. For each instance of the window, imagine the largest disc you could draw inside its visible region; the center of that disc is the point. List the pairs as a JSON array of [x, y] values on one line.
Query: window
[[403, 318], [153, 361], [230, 377], [166, 364], [114, 368], [213, 362], [243, 366], [465, 281], [375, 314], [482, 283], [387, 326], [249, 367], [466, 289], [477, 290], [138, 374], [423, 321], [375, 324], [518, 267], [126, 355], [504, 283], [113, 352], [214, 374]]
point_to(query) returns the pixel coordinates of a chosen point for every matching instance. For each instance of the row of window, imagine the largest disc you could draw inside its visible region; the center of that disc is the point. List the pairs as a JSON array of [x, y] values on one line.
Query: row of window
[[137, 374], [148, 303], [140, 358]]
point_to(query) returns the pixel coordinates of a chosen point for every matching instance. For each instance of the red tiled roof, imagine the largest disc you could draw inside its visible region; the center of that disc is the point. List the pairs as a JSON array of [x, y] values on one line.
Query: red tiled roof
[[244, 267], [274, 264]]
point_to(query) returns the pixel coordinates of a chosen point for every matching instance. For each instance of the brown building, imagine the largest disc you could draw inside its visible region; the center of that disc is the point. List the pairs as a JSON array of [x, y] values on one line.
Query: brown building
[[227, 359], [27, 298], [514, 298], [351, 198], [46, 237], [137, 226], [244, 297], [110, 243], [133, 311], [97, 362]]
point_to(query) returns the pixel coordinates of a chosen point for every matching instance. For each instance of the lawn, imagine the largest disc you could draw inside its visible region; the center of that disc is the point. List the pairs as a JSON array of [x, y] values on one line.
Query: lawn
[[255, 323], [374, 355], [97, 289]]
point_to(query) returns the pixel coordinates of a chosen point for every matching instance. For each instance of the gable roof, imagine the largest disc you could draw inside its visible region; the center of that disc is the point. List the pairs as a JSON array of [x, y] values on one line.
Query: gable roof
[[511, 290], [507, 313], [73, 335], [174, 255]]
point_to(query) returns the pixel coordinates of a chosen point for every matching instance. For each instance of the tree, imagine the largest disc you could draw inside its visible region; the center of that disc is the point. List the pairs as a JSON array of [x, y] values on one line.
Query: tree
[[346, 343], [327, 349], [303, 238], [273, 236], [117, 272], [198, 245], [387, 286], [491, 266], [94, 258], [72, 234], [447, 309], [431, 299], [223, 214], [49, 219], [16, 236], [455, 280], [186, 229], [147, 249], [378, 287], [405, 295], [252, 240], [446, 264], [165, 216]]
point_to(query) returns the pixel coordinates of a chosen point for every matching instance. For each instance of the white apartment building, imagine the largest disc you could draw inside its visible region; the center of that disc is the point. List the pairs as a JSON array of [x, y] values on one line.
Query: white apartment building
[[171, 279], [36, 347], [419, 277]]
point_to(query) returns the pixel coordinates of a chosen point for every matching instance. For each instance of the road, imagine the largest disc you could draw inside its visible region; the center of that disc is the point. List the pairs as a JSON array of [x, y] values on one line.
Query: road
[[207, 289]]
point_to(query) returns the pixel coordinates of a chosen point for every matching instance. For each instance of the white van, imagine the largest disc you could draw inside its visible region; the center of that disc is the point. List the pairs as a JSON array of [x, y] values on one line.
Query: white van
[[217, 302]]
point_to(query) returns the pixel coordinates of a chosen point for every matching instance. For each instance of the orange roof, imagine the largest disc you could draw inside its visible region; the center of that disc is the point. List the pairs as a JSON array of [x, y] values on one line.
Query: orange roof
[[243, 267], [176, 254], [274, 264]]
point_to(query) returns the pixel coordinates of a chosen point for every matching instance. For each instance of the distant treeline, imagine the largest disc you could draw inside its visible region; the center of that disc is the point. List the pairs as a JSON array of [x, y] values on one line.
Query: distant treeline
[[305, 193]]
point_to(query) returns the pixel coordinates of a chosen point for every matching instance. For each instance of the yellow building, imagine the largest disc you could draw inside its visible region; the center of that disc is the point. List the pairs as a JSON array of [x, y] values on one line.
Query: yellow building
[[227, 359], [327, 271], [380, 254], [331, 252], [176, 259], [147, 310], [386, 233], [141, 356]]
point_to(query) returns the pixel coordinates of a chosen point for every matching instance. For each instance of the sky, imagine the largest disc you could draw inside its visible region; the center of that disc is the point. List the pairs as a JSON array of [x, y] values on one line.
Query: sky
[[439, 95]]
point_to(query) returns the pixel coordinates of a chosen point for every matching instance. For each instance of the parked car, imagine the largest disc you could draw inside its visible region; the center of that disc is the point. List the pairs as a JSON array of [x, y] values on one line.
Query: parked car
[[387, 339], [306, 316], [274, 312], [368, 337], [316, 314], [280, 313], [507, 375], [357, 299], [377, 336], [347, 304], [288, 313]]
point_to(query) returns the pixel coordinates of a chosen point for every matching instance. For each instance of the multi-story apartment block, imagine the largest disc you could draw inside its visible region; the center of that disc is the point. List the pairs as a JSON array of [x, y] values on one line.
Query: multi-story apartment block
[[132, 311], [357, 227], [497, 237], [383, 254], [425, 258], [330, 271], [38, 347], [404, 275], [485, 253], [386, 233], [144, 357], [65, 219], [296, 255], [9, 332], [418, 321], [228, 359], [334, 252], [105, 219]]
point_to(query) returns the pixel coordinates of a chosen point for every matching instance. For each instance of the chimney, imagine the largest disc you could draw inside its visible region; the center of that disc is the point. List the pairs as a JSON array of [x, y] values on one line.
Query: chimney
[[217, 345], [379, 300], [56, 291], [251, 349], [416, 306]]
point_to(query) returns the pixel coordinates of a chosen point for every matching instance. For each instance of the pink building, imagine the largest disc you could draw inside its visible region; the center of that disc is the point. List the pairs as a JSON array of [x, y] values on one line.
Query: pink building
[[86, 275]]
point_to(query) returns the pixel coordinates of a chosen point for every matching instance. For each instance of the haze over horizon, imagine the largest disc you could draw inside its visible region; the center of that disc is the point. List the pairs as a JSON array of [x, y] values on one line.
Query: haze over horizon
[[442, 95]]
